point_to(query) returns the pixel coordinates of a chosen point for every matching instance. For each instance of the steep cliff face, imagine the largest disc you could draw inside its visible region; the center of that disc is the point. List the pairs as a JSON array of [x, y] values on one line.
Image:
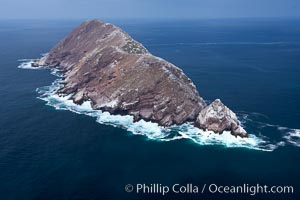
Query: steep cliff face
[[104, 64]]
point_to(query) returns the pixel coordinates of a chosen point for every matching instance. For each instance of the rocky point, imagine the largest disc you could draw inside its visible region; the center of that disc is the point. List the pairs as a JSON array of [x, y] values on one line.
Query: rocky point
[[103, 64]]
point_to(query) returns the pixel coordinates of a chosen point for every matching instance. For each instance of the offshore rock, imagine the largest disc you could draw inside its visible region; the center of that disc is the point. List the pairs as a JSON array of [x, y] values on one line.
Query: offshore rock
[[218, 118]]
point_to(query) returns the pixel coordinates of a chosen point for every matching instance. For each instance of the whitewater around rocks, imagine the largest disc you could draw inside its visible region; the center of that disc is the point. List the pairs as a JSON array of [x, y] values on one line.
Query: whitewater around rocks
[[153, 131]]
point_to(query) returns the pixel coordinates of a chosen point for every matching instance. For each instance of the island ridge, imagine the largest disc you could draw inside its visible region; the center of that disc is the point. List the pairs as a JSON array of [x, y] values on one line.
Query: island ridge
[[103, 64]]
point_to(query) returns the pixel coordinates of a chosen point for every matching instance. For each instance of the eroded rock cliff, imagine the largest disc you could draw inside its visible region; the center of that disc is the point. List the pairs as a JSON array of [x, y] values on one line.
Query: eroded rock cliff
[[103, 64]]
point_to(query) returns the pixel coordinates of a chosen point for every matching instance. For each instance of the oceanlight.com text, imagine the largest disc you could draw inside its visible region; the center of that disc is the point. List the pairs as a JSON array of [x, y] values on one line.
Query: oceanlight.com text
[[190, 188]]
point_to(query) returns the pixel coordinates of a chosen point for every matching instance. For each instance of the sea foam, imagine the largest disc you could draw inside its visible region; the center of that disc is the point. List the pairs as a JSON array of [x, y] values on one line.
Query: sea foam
[[27, 64], [152, 131]]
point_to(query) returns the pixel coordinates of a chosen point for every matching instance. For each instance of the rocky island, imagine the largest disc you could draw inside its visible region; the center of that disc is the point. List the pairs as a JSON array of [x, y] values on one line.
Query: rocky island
[[103, 64]]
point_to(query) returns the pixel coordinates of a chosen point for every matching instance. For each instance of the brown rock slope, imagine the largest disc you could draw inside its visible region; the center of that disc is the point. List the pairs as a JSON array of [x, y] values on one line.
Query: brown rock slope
[[104, 64]]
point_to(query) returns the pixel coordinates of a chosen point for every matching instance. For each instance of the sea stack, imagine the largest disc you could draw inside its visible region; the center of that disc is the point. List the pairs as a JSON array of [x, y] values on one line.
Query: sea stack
[[218, 118], [103, 64]]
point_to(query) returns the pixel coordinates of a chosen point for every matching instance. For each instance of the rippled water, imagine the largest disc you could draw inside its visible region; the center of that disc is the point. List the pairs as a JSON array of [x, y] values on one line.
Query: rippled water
[[48, 152], [257, 140]]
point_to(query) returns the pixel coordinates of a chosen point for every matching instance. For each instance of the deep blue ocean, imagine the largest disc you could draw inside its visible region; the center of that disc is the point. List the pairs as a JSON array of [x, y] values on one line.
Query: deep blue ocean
[[253, 66]]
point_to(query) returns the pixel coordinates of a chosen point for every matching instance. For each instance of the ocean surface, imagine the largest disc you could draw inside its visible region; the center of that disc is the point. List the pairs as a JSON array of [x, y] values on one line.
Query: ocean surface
[[51, 148]]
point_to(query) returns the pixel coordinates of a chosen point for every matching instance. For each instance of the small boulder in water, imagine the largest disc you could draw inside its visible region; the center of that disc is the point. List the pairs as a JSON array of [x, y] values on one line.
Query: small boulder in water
[[218, 118], [39, 62]]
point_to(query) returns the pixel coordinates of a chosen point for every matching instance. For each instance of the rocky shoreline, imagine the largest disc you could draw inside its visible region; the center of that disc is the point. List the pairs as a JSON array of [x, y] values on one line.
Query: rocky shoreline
[[103, 64]]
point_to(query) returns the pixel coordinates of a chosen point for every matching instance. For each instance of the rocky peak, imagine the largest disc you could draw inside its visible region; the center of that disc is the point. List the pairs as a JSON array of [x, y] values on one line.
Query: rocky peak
[[104, 64], [218, 118]]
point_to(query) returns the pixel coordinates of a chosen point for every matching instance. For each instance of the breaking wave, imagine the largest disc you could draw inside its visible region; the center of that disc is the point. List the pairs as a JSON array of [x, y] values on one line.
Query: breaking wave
[[27, 64], [281, 135], [153, 131]]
